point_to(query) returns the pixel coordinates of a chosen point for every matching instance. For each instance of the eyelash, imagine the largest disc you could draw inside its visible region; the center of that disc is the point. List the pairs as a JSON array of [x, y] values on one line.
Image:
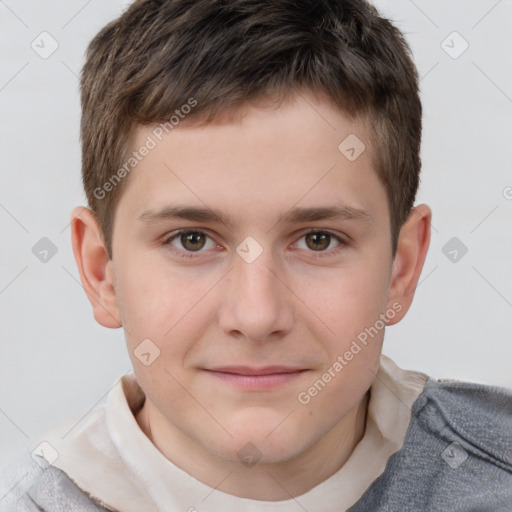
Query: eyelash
[[191, 254]]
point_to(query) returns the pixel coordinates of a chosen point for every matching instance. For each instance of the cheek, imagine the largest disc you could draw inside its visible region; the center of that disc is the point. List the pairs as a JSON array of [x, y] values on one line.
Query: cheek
[[165, 307], [146, 304], [345, 300], [151, 298], [346, 309]]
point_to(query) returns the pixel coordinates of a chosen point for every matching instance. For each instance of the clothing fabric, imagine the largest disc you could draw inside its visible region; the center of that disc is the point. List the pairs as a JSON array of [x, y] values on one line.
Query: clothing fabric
[[429, 445]]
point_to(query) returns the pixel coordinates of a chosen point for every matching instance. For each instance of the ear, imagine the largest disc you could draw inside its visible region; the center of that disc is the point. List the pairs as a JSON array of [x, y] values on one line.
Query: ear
[[95, 267], [413, 244]]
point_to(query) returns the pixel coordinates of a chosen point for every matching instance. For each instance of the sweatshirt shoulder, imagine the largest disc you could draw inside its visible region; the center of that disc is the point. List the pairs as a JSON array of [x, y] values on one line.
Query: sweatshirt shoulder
[[479, 414], [456, 455], [16, 476], [27, 486]]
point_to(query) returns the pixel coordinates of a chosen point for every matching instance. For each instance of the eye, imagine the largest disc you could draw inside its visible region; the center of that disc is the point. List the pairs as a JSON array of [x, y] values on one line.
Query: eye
[[318, 241], [189, 241]]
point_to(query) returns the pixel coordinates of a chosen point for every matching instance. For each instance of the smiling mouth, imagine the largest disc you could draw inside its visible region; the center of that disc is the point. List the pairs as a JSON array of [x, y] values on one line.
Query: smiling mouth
[[247, 370], [256, 378]]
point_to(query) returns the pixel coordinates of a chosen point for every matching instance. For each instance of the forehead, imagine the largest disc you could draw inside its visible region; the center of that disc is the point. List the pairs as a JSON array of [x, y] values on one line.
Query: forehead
[[266, 160]]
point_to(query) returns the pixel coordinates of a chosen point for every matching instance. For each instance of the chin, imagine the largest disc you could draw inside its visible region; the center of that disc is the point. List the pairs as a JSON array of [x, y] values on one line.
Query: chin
[[261, 443]]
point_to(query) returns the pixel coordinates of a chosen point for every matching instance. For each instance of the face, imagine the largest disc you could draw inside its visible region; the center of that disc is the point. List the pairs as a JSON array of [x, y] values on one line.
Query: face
[[252, 313]]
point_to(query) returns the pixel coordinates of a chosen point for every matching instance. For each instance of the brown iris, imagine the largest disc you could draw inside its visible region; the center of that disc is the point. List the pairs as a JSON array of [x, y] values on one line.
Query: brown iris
[[193, 240], [319, 241]]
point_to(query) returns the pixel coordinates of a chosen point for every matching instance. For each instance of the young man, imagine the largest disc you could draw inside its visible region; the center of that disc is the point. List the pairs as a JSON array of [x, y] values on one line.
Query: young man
[[251, 169]]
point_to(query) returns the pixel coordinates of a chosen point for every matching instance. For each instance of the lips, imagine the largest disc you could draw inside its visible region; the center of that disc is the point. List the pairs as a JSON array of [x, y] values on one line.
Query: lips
[[248, 378], [255, 372]]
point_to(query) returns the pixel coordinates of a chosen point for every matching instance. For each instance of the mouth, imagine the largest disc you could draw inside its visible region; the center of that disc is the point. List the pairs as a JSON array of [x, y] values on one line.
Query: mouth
[[256, 379]]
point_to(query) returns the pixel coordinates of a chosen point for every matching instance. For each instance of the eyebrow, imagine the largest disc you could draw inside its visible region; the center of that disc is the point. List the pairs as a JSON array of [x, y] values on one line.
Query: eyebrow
[[294, 216]]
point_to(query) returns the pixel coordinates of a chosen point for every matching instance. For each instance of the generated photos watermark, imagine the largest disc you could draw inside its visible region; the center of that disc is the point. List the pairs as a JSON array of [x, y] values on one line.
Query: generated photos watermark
[[305, 397], [150, 143]]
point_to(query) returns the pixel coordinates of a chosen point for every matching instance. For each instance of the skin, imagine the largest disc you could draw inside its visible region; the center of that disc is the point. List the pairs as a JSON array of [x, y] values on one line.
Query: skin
[[287, 307]]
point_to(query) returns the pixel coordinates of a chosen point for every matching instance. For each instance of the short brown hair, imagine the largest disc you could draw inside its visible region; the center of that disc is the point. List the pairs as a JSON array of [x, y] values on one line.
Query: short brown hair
[[145, 65]]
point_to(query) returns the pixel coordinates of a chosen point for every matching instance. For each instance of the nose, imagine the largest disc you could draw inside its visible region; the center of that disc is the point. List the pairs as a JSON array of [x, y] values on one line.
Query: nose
[[257, 303]]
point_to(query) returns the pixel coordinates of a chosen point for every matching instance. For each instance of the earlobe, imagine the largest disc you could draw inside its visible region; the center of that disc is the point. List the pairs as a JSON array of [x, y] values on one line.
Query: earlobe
[[94, 267], [413, 244]]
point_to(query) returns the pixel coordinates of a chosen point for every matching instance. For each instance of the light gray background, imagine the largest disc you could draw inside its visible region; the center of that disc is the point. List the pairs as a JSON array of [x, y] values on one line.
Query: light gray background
[[56, 361]]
